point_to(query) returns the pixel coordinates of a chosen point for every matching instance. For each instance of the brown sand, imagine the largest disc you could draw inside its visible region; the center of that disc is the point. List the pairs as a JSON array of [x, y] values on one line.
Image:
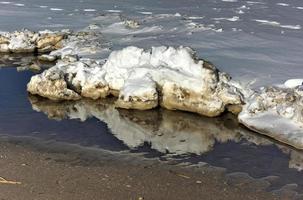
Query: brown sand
[[61, 175]]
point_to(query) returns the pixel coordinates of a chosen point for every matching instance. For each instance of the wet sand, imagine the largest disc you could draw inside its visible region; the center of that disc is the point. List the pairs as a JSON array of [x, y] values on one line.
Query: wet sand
[[65, 175]]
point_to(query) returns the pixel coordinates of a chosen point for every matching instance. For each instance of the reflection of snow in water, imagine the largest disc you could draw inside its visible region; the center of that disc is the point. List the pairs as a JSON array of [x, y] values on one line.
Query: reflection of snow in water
[[166, 131]]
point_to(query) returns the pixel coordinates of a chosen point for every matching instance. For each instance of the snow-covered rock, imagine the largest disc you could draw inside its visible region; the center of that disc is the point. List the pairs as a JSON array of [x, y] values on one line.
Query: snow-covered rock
[[70, 81], [26, 41], [83, 43], [58, 43], [276, 112], [171, 77]]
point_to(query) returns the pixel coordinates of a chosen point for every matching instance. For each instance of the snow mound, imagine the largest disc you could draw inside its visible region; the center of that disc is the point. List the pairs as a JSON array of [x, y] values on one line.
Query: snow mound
[[276, 112], [143, 79]]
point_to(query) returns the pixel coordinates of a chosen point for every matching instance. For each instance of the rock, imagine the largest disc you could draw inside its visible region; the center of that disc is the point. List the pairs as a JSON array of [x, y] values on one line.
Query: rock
[[183, 82], [26, 41], [235, 109], [4, 40], [68, 81], [49, 40], [140, 94], [35, 67], [22, 42], [276, 112], [4, 48], [47, 58], [143, 78], [51, 85], [131, 24]]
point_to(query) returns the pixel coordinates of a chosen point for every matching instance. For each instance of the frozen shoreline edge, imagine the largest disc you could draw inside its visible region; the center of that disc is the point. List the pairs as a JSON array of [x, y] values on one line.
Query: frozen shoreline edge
[[143, 79]]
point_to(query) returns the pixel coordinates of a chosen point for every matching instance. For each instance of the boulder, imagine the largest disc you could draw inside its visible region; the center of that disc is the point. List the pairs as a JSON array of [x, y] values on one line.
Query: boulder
[[171, 77]]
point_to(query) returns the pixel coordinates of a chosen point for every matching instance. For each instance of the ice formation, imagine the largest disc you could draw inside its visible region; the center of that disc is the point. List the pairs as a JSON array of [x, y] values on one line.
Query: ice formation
[[276, 111], [143, 79]]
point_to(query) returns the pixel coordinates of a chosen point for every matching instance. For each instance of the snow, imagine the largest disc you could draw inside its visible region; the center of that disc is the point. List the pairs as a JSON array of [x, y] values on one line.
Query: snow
[[292, 83], [161, 63], [275, 126]]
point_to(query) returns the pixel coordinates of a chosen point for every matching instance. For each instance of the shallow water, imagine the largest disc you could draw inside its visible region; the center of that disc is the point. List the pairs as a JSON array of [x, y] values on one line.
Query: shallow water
[[177, 137]]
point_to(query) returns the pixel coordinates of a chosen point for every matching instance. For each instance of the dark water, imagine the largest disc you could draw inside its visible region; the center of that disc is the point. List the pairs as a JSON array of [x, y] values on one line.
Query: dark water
[[167, 135]]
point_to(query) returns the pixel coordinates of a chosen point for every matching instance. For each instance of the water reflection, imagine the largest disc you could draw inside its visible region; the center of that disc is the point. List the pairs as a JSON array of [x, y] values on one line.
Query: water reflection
[[171, 132], [179, 137], [23, 61], [166, 131]]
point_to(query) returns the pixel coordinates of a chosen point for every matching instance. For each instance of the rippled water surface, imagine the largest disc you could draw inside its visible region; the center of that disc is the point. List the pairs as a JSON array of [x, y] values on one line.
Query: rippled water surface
[[259, 41]]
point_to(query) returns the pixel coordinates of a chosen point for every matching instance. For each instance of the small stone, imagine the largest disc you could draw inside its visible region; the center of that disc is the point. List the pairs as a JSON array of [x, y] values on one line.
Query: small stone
[[35, 67], [47, 58]]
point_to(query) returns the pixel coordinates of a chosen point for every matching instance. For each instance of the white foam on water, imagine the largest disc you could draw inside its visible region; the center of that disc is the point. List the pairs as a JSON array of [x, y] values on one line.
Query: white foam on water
[[5, 2], [89, 10], [254, 2], [146, 13], [232, 19], [19, 4], [56, 9], [114, 11], [229, 0], [196, 17], [277, 24], [240, 12], [294, 27], [282, 4]]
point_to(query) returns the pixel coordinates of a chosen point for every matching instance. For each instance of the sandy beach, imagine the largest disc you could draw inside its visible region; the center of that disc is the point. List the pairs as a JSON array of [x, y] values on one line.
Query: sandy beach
[[66, 175]]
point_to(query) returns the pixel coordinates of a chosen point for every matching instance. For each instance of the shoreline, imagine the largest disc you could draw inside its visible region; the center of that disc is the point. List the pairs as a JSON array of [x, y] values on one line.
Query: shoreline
[[63, 175]]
